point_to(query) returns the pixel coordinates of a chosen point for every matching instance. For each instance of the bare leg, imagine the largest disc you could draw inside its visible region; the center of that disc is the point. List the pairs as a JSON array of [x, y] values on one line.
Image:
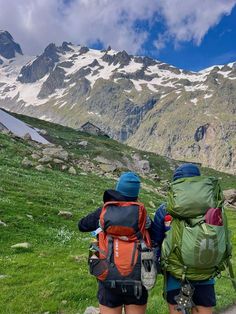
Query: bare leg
[[198, 310], [135, 309], [202, 310], [110, 310]]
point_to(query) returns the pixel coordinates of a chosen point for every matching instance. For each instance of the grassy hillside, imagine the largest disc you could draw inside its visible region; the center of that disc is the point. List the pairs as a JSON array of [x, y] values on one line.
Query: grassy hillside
[[52, 277]]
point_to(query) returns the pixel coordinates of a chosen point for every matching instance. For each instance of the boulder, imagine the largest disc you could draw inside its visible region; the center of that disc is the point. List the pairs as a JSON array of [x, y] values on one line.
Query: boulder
[[65, 214], [27, 163], [35, 156], [27, 137], [23, 245], [108, 168], [83, 143], [40, 168], [58, 161], [72, 170], [45, 159], [230, 196], [56, 152]]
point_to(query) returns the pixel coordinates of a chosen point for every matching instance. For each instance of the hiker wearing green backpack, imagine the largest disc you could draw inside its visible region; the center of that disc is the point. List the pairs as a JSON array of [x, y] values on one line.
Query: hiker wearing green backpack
[[191, 232]]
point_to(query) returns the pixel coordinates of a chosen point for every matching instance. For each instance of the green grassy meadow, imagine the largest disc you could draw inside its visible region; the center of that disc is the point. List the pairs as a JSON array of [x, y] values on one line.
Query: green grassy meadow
[[52, 277]]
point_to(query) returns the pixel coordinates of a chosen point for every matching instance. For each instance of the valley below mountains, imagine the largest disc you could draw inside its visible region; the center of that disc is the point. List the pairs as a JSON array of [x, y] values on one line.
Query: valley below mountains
[[145, 103]]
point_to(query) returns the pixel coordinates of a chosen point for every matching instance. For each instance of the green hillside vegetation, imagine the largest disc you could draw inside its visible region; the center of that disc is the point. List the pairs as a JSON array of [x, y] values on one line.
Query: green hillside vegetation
[[52, 276]]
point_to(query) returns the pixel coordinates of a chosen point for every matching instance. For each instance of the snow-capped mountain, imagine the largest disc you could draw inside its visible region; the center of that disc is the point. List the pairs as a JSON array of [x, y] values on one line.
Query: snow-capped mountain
[[149, 104]]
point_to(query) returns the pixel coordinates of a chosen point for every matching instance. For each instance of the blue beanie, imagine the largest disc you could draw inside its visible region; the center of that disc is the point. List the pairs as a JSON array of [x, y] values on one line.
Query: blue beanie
[[185, 171], [128, 184]]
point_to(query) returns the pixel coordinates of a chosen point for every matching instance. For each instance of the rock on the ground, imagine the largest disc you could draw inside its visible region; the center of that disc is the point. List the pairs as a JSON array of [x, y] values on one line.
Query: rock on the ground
[[230, 196], [92, 310], [152, 204], [65, 214], [58, 161], [27, 137], [56, 152], [40, 168], [27, 163], [23, 245], [45, 159], [83, 143], [72, 170], [35, 156], [108, 168], [3, 224]]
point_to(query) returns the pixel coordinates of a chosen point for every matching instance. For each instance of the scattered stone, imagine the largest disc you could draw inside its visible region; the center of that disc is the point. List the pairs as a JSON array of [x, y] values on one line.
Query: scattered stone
[[23, 245], [152, 204], [92, 310], [45, 159], [35, 156], [155, 177], [40, 168], [72, 170], [83, 143], [27, 163], [58, 161], [27, 137], [230, 196], [64, 302], [43, 132], [103, 160], [144, 166], [65, 214], [3, 276], [64, 167], [108, 168], [3, 224], [56, 152]]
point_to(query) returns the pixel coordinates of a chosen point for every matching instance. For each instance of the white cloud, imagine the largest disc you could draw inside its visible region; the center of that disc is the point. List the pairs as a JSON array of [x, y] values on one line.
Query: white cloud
[[35, 23], [190, 20]]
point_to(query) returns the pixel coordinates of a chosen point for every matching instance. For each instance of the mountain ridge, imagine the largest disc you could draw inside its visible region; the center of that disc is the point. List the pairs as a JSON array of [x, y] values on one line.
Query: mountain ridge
[[146, 103]]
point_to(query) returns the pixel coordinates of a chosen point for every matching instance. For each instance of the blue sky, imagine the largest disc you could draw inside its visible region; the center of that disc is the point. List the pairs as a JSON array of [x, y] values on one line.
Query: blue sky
[[217, 47], [189, 34]]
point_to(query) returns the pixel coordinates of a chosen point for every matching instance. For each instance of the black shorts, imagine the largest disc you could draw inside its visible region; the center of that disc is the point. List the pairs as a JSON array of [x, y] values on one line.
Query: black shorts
[[204, 295], [111, 298]]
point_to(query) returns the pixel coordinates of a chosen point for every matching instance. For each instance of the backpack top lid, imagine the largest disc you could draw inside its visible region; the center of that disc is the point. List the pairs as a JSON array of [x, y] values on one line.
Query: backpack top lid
[[193, 196], [186, 171], [123, 218]]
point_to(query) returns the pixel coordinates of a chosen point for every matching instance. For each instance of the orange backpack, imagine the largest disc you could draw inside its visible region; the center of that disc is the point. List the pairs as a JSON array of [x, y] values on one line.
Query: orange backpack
[[120, 244]]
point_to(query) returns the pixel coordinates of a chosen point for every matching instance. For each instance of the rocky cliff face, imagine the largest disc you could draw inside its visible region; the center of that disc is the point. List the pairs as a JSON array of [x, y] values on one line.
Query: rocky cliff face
[[146, 103], [8, 47]]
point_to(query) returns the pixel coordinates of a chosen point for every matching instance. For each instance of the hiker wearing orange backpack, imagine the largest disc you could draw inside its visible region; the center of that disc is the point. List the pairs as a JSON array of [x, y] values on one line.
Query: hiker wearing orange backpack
[[191, 231], [122, 258]]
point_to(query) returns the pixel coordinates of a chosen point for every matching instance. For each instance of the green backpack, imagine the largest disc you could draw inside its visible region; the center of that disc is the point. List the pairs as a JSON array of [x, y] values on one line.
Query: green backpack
[[194, 249]]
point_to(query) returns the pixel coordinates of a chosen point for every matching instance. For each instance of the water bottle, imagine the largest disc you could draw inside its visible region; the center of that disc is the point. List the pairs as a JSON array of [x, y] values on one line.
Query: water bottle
[[96, 232]]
